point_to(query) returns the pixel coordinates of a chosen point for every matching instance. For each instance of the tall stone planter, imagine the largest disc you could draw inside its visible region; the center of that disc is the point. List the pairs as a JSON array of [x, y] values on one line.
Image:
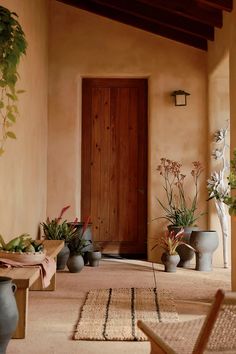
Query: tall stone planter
[[8, 312], [186, 254], [204, 243]]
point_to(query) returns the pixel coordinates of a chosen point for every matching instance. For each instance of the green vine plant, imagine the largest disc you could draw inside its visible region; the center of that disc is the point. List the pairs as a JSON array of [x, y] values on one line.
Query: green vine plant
[[12, 46]]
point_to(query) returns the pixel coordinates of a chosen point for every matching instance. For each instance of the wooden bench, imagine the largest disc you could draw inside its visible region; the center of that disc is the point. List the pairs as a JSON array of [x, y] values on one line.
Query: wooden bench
[[29, 278]]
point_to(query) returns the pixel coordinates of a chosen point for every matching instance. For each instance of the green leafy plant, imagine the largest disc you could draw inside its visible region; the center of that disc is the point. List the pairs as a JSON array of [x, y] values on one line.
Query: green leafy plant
[[12, 45], [170, 241], [230, 199], [22, 243], [77, 242], [179, 210], [54, 229]]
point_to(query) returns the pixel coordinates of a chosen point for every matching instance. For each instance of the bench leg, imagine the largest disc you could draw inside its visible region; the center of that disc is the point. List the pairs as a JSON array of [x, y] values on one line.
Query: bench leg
[[22, 296], [37, 286]]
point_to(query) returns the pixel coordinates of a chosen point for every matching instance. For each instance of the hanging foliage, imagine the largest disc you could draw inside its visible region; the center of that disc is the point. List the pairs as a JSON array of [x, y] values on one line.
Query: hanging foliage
[[12, 45]]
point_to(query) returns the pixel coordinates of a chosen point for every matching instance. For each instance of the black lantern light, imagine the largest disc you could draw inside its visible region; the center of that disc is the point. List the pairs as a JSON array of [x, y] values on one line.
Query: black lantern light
[[180, 97]]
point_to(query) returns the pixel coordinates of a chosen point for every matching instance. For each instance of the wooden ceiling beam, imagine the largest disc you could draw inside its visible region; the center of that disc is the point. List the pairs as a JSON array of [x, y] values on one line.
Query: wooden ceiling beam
[[224, 5], [160, 16], [143, 24], [189, 9]]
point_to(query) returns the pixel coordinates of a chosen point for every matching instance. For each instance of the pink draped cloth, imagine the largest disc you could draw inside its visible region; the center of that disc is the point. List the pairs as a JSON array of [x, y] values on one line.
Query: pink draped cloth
[[47, 267]]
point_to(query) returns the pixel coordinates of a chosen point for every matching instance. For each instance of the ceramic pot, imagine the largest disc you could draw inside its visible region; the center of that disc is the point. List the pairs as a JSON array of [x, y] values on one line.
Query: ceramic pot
[[62, 257], [205, 243], [94, 258], [170, 261], [185, 253], [85, 257], [8, 312], [75, 263]]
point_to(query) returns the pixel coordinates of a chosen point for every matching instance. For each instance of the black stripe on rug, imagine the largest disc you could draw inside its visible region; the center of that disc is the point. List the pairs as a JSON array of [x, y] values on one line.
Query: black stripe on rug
[[157, 305], [107, 314], [133, 320]]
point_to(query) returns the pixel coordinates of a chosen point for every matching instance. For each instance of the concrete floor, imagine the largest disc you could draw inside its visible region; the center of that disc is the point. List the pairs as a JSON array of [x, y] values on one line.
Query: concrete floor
[[53, 315]]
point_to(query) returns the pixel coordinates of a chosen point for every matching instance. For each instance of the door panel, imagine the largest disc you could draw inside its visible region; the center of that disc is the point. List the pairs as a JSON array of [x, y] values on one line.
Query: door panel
[[114, 163]]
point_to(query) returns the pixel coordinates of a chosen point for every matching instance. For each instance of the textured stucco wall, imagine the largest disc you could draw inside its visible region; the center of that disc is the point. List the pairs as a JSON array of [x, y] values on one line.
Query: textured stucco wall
[[23, 167], [222, 47], [219, 115], [86, 45]]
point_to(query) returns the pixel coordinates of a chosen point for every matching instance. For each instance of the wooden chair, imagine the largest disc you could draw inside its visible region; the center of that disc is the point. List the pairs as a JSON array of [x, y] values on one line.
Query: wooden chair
[[214, 333]]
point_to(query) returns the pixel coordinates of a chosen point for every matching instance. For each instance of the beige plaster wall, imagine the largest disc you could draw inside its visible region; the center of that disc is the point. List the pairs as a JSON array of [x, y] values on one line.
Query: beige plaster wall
[[23, 167], [219, 116], [224, 45], [86, 45], [233, 128]]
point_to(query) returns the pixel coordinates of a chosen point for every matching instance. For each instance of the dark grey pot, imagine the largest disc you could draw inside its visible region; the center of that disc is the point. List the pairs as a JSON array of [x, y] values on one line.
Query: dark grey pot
[[94, 258], [75, 263], [8, 312], [185, 253], [62, 257], [205, 242], [170, 261]]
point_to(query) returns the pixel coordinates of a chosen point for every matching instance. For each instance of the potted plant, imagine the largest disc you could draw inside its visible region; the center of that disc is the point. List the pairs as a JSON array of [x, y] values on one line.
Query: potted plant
[[94, 256], [56, 229], [169, 242], [77, 244], [180, 211], [230, 199], [85, 228]]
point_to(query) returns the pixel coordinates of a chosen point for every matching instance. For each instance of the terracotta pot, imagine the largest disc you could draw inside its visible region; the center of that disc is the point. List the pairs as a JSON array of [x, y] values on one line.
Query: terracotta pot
[[170, 261], [8, 312]]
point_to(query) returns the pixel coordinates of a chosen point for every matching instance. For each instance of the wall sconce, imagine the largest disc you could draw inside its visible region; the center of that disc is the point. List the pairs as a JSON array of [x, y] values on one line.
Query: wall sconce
[[180, 97]]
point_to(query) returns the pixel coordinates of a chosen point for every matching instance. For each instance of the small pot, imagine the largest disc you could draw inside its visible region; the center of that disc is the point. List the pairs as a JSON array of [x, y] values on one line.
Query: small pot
[[94, 258], [75, 263], [170, 261]]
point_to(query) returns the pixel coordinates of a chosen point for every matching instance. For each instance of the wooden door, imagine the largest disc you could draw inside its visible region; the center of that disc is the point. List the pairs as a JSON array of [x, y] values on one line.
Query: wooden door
[[114, 163]]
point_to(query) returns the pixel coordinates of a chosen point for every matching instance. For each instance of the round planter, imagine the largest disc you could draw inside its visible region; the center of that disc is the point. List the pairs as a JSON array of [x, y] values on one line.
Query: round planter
[[185, 253], [9, 312], [75, 263], [94, 258], [170, 261], [205, 243], [62, 257]]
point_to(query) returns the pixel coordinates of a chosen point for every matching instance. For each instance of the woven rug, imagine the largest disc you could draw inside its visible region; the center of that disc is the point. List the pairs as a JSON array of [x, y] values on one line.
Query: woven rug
[[112, 314]]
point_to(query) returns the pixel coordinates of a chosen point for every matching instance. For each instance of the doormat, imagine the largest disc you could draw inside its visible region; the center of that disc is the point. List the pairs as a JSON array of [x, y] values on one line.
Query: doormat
[[112, 314]]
